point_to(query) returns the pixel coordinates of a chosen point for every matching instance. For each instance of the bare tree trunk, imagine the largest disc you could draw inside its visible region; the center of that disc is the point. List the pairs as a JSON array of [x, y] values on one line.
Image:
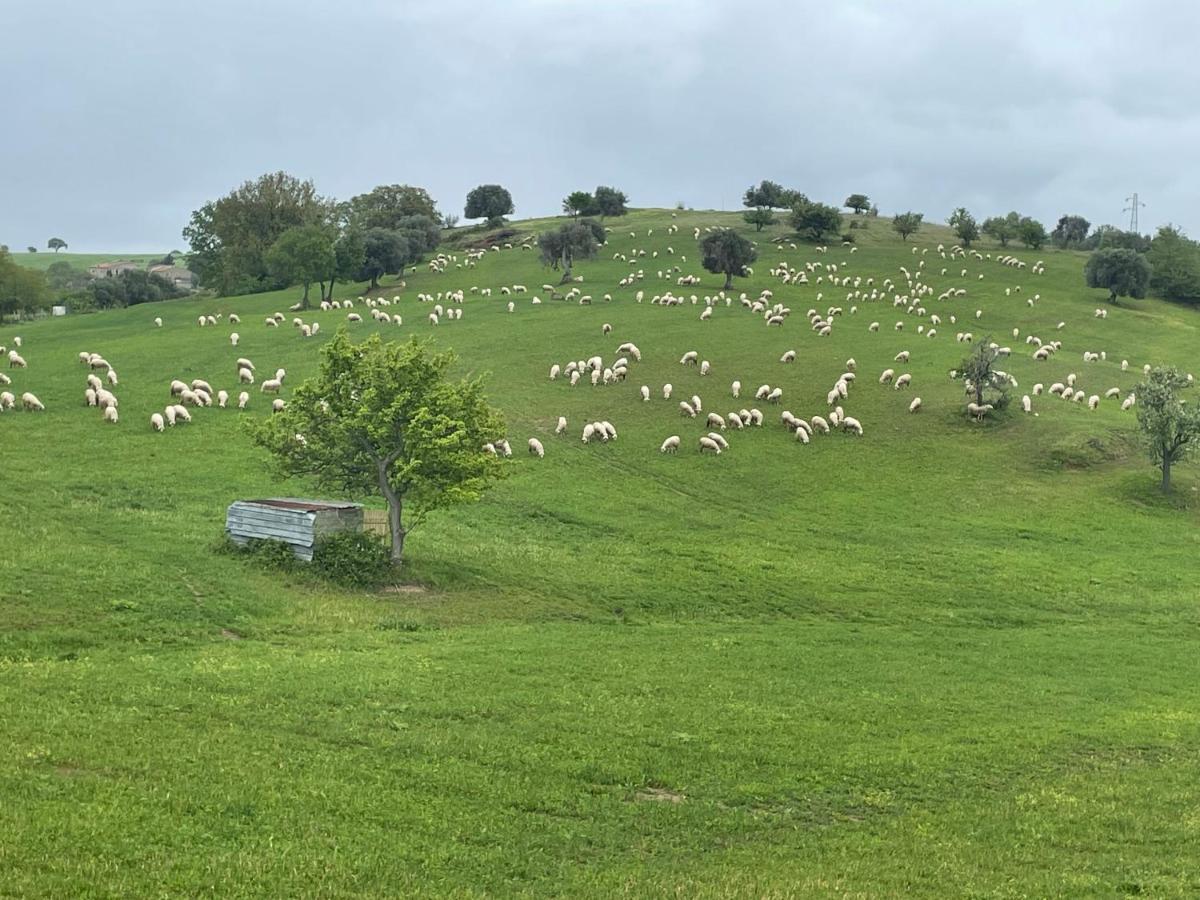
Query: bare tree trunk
[[728, 280], [1166, 474], [304, 299], [395, 527]]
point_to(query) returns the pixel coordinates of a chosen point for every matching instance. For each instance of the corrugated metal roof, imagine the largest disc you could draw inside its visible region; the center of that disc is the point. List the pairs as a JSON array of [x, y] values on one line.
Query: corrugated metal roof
[[303, 505]]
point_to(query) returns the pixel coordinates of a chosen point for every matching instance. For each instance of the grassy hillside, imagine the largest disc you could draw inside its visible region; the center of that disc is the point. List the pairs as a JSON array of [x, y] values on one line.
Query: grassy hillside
[[941, 659], [43, 259]]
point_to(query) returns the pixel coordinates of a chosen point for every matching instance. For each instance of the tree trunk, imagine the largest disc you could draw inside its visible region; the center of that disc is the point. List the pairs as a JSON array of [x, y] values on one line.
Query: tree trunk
[[321, 285], [728, 280], [566, 264], [395, 528], [304, 299], [1166, 474]]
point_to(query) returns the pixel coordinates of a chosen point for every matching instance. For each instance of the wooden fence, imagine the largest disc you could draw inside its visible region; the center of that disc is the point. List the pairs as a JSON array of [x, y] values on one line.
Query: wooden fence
[[375, 521]]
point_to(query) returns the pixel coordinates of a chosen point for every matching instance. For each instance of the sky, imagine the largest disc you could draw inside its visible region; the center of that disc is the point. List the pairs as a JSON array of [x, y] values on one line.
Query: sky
[[123, 116]]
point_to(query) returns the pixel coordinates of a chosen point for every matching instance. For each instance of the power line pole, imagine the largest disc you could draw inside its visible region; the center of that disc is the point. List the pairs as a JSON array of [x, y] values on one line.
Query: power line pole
[[1132, 209]]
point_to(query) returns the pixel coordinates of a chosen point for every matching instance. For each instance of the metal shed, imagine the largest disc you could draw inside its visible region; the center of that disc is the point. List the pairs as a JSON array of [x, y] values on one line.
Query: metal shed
[[299, 523]]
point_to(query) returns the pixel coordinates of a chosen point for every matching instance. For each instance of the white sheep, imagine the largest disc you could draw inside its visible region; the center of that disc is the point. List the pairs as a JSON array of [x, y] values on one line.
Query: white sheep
[[589, 431], [903, 381], [234, 338], [110, 414], [1027, 404], [644, 390], [687, 409], [271, 386], [849, 423], [536, 448], [243, 399], [670, 445], [716, 420], [736, 389], [666, 391], [915, 405], [156, 421], [886, 376], [158, 324], [222, 398], [31, 403], [707, 443], [562, 425], [277, 405], [705, 368]]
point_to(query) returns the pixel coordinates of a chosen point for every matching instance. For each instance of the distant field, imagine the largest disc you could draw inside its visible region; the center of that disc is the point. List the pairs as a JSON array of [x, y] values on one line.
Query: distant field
[[940, 660], [43, 259]]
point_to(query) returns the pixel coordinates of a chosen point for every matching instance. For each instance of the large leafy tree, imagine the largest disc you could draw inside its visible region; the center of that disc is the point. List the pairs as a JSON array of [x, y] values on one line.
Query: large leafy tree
[[1002, 228], [387, 205], [815, 220], [577, 203], [229, 237], [980, 370], [1031, 233], [56, 244], [385, 252], [302, 255], [759, 217], [964, 225], [770, 195], [489, 201], [22, 290], [1171, 426], [1071, 231], [388, 420], [1175, 261], [563, 245], [725, 252], [860, 203], [1123, 273], [907, 223], [608, 201]]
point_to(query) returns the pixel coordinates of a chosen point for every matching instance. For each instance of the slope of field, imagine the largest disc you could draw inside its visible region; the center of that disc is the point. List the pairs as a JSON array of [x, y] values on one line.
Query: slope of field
[[944, 658], [46, 258]]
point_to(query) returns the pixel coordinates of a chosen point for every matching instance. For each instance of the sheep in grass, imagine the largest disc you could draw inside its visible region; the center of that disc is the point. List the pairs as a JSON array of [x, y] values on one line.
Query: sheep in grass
[[788, 357], [169, 415], [978, 411], [915, 405], [157, 323], [736, 389], [763, 391], [1093, 401], [110, 414], [589, 431], [536, 448], [1037, 389], [234, 338], [111, 376], [1027, 404], [720, 440], [7, 400], [686, 409], [644, 390], [707, 443], [1112, 393], [903, 381], [31, 403], [222, 398], [902, 356], [819, 424], [670, 445], [666, 391], [16, 360], [277, 405], [156, 422], [699, 407], [554, 371], [271, 386], [716, 420], [690, 358], [851, 424], [775, 396], [736, 421], [1128, 403], [851, 365], [243, 399], [886, 376]]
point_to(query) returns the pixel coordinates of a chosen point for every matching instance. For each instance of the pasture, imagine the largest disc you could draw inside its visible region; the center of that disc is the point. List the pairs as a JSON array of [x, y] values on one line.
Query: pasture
[[944, 658]]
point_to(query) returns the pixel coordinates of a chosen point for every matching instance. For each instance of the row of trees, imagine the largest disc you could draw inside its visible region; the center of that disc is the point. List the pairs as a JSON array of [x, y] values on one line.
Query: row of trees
[[22, 290], [604, 201]]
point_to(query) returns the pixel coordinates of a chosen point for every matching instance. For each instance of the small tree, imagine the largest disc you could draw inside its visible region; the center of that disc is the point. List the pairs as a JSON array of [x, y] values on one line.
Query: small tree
[[860, 203], [577, 203], [31, 248], [1002, 228], [1171, 426], [563, 245], [1123, 273], [1031, 233], [386, 419], [768, 194], [1071, 231], [301, 256], [760, 216], [56, 244], [964, 225], [726, 252], [983, 377], [907, 223], [384, 252], [607, 201], [489, 201], [815, 219]]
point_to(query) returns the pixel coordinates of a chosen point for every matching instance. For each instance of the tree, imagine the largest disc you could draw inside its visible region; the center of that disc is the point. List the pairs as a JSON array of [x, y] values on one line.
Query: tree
[[768, 194], [1109, 236], [1171, 426], [760, 216], [56, 244], [1031, 233], [349, 256], [608, 201], [229, 237], [577, 203], [1002, 228], [982, 376], [386, 205], [1123, 273], [1175, 261], [964, 226], [489, 201], [31, 248], [1071, 231], [384, 252], [726, 252], [387, 419], [907, 223], [860, 203], [563, 245], [301, 256], [22, 289], [815, 219]]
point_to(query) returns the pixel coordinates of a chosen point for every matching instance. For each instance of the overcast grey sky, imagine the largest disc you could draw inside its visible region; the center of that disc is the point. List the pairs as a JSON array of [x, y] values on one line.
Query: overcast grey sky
[[122, 117]]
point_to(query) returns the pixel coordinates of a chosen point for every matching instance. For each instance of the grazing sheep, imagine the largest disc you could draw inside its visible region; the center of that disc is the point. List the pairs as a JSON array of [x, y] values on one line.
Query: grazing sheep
[[736, 389], [707, 443], [111, 376], [110, 414], [31, 403], [902, 356], [199, 384], [849, 423], [644, 390], [234, 338], [157, 324], [716, 420], [1093, 401], [697, 404], [819, 423], [887, 375], [1027, 404], [915, 405], [736, 421], [979, 410], [775, 396], [903, 381], [666, 391], [762, 392], [562, 425], [720, 441], [554, 371], [243, 399], [689, 358], [16, 361], [271, 386], [686, 409], [277, 405], [156, 421], [536, 448], [670, 445], [245, 376], [589, 431], [169, 413], [222, 398], [705, 368]]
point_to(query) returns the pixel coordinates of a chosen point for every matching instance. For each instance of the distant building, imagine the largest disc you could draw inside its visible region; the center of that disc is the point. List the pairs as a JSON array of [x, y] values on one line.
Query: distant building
[[184, 279], [112, 269]]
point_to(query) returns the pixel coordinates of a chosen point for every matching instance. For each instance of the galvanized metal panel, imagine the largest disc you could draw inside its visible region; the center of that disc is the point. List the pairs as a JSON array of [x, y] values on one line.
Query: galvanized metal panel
[[296, 522]]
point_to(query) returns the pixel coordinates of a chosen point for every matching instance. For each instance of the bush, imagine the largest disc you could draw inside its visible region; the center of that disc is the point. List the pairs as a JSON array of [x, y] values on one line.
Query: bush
[[848, 238], [354, 559], [270, 554], [854, 224]]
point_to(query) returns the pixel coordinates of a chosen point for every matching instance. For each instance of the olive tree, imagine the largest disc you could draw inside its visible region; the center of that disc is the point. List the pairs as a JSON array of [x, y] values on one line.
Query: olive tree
[[1123, 273], [388, 420], [1171, 426], [726, 252], [563, 245], [982, 376]]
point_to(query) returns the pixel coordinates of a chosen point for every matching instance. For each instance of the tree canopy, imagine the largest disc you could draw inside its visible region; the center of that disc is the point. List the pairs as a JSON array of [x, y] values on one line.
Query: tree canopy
[[726, 252], [385, 252], [56, 244], [1175, 261], [770, 195], [1002, 228], [577, 203], [489, 201], [1071, 231], [608, 201], [387, 205], [860, 203], [964, 225], [815, 220], [908, 223], [759, 217], [1031, 233], [302, 255], [1123, 273], [22, 290], [985, 380], [387, 419], [1170, 426], [561, 246]]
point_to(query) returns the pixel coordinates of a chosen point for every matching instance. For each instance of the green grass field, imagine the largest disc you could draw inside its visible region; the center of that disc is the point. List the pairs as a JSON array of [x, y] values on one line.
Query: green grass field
[[943, 659], [43, 259]]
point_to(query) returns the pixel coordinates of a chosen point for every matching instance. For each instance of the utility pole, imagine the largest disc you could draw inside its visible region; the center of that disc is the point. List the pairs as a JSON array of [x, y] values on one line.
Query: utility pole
[[1132, 209]]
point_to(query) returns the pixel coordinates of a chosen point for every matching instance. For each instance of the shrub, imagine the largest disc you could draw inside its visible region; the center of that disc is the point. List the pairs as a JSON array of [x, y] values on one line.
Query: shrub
[[356, 559], [848, 238]]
